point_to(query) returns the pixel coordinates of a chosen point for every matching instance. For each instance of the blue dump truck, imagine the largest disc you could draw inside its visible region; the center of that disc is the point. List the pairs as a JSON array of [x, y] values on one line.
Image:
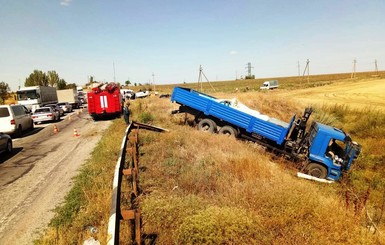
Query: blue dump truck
[[322, 152]]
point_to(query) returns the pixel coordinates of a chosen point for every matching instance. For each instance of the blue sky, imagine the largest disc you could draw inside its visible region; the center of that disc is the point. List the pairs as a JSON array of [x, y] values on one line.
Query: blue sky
[[172, 38]]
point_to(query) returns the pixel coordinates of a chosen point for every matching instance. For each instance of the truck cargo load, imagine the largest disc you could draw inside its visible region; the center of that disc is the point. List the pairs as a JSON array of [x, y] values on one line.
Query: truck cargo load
[[70, 96]]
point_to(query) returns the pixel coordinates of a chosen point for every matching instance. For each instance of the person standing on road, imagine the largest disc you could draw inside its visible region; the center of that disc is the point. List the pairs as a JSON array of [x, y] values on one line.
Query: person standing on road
[[126, 110]]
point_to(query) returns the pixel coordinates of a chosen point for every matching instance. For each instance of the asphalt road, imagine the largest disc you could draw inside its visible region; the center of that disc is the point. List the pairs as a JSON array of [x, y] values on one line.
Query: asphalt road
[[37, 175]]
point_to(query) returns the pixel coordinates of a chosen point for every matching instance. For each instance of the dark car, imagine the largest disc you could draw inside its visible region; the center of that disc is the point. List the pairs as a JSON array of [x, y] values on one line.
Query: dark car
[[67, 107], [5, 143], [57, 108]]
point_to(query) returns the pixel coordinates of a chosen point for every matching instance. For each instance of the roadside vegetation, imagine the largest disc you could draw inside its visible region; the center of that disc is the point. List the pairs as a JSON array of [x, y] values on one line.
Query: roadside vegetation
[[211, 189]]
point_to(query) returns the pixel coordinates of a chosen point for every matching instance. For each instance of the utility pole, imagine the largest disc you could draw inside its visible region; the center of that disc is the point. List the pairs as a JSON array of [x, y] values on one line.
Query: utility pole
[[200, 78], [299, 69], [153, 81], [306, 69], [354, 69], [375, 67]]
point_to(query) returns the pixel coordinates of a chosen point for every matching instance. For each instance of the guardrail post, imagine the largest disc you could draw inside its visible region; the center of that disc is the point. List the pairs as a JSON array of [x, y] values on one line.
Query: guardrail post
[[131, 172]]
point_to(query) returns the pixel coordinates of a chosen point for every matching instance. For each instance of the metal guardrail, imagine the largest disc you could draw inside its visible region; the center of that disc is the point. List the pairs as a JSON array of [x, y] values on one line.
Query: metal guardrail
[[130, 169]]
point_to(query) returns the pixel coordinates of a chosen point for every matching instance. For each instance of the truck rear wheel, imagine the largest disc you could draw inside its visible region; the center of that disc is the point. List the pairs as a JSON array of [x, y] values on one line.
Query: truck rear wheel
[[207, 125], [316, 170], [228, 130]]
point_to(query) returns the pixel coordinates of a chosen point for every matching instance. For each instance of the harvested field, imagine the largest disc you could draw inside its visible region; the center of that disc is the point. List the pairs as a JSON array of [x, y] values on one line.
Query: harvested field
[[357, 94]]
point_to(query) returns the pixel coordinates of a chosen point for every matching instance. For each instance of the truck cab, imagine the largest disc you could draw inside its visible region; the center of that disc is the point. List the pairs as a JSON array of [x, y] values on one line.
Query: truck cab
[[35, 96], [331, 151]]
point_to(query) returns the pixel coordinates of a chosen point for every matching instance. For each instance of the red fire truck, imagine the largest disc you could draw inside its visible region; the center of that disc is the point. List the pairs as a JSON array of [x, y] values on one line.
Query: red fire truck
[[105, 101]]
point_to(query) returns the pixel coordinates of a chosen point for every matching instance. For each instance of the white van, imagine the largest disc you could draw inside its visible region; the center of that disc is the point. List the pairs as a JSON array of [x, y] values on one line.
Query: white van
[[273, 84], [14, 119]]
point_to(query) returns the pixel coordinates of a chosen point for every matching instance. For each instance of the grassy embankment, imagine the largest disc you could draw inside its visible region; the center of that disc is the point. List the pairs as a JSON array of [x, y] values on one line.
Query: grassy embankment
[[209, 189]]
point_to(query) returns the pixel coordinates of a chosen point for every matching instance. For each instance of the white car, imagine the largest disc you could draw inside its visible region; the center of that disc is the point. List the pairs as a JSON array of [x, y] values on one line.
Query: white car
[[44, 114], [142, 94], [14, 119]]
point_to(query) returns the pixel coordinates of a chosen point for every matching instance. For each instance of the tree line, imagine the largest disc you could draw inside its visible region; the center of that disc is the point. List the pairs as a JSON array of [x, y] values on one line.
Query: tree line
[[51, 78]]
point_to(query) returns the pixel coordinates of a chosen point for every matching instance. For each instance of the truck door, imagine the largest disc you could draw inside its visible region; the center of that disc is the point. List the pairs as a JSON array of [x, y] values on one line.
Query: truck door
[[336, 151]]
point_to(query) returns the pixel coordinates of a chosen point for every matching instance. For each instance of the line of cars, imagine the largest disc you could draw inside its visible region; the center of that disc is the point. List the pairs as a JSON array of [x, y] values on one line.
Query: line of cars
[[15, 119]]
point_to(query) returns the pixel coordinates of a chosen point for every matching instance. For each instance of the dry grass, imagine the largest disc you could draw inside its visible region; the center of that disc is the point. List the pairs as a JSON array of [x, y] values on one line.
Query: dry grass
[[192, 179], [211, 189]]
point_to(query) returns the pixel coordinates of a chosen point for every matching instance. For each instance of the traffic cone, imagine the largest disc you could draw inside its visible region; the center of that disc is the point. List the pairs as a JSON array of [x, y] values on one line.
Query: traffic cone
[[76, 133], [55, 129]]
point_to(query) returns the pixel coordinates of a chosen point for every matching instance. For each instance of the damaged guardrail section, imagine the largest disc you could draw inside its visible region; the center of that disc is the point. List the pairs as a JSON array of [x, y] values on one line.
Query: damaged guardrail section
[[126, 186]]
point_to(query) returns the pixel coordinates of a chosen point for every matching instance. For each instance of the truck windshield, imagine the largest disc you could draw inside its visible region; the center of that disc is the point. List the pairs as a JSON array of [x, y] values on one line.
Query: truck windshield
[[27, 95], [337, 150]]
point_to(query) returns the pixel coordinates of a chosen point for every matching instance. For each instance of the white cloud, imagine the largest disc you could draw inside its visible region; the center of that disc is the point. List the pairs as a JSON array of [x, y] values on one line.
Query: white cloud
[[233, 52], [65, 2]]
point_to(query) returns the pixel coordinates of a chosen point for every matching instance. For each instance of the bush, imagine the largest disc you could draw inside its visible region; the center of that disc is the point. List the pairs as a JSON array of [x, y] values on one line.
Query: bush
[[216, 225], [145, 117], [168, 212]]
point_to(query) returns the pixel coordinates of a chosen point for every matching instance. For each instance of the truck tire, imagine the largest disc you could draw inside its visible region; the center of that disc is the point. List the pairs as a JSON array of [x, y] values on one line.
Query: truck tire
[[228, 130], [207, 125], [316, 170]]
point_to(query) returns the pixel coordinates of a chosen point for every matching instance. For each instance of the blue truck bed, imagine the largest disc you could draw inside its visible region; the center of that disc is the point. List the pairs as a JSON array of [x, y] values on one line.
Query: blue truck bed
[[270, 128]]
